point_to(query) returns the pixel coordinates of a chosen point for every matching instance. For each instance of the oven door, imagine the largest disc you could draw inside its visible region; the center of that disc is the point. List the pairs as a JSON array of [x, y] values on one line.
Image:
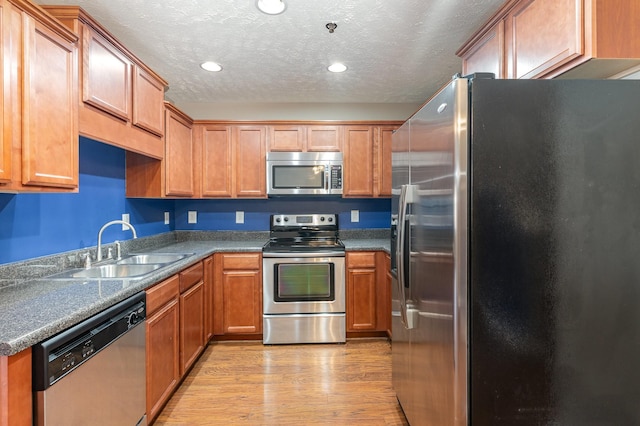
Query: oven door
[[303, 283]]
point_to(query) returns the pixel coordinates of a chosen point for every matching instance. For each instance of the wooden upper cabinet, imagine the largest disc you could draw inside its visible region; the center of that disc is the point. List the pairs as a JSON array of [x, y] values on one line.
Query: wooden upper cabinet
[[179, 153], [148, 99], [5, 134], [487, 54], [216, 154], [324, 138], [287, 138], [121, 100], [358, 161], [39, 132], [250, 161], [49, 119], [542, 34], [382, 161], [106, 78], [551, 38]]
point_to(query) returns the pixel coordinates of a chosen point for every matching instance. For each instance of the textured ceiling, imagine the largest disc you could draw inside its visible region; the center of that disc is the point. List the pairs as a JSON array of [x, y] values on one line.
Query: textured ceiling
[[397, 51]]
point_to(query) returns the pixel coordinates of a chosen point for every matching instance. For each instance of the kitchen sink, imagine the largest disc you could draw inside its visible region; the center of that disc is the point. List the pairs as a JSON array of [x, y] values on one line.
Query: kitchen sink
[[133, 266], [151, 258], [110, 271]]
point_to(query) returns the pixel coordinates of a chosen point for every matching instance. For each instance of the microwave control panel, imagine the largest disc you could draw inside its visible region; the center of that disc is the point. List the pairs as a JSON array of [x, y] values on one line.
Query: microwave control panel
[[336, 177]]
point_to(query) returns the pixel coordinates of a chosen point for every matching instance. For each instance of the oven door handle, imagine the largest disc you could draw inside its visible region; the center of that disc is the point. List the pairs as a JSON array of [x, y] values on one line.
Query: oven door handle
[[304, 254]]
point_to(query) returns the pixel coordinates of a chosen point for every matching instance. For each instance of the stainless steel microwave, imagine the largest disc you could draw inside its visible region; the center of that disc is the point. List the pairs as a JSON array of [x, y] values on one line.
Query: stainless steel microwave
[[304, 173]]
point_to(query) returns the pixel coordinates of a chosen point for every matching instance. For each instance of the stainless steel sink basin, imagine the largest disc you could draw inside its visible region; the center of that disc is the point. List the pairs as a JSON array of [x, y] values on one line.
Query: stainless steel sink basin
[[109, 271], [151, 258], [115, 271]]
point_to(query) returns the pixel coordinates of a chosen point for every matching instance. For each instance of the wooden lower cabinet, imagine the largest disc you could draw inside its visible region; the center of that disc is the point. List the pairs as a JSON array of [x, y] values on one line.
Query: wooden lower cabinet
[[238, 294], [175, 333], [163, 344], [15, 389], [368, 295]]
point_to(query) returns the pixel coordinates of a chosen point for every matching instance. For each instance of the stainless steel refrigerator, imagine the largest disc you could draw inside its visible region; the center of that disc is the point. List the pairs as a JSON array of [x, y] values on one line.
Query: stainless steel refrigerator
[[516, 254]]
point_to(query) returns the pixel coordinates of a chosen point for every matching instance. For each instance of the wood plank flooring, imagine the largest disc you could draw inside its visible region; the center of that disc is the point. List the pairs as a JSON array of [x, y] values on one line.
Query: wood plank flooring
[[252, 384]]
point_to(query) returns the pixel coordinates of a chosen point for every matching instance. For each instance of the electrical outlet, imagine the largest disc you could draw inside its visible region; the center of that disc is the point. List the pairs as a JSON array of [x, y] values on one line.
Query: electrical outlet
[[125, 218], [166, 218], [193, 216], [355, 215], [239, 217]]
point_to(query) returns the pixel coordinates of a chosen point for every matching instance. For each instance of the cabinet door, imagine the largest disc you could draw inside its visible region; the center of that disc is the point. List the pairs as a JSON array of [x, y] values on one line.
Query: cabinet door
[[106, 77], [179, 163], [208, 298], [163, 356], [487, 55], [358, 161], [5, 134], [541, 34], [287, 138], [49, 108], [249, 165], [191, 325], [324, 138], [382, 167], [148, 102], [238, 293], [361, 292], [217, 160]]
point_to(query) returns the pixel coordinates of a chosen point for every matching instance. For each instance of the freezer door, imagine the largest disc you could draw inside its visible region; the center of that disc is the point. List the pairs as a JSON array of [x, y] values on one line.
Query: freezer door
[[436, 305]]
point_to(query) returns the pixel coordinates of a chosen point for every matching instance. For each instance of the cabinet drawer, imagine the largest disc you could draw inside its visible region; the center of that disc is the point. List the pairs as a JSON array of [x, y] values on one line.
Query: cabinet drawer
[[361, 260], [160, 294], [191, 276], [241, 261]]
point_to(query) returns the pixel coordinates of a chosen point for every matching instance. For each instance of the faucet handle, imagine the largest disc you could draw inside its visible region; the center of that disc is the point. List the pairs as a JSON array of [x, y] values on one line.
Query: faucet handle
[[87, 259], [118, 250]]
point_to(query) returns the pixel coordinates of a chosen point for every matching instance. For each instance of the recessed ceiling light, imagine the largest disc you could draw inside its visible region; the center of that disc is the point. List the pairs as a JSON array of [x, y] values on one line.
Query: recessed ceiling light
[[211, 66], [271, 7], [337, 67]]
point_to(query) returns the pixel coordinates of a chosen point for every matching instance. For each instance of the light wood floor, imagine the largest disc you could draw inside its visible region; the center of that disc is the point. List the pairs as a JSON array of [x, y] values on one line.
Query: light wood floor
[[252, 384]]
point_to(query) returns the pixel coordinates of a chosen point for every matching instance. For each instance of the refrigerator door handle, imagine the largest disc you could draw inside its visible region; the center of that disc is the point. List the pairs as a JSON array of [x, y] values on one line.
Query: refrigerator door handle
[[402, 252]]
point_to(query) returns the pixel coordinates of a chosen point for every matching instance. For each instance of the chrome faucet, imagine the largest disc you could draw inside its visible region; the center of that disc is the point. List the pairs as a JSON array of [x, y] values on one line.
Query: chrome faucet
[[113, 222]]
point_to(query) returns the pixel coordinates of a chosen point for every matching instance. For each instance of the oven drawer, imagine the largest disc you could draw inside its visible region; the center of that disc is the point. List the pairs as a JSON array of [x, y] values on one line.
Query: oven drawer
[[304, 328]]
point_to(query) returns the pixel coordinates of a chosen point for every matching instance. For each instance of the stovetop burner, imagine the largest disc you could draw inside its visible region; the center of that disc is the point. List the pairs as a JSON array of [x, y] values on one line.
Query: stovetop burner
[[303, 232]]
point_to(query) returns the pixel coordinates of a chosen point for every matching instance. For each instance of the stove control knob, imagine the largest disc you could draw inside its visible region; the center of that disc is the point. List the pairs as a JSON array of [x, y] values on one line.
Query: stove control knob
[[330, 219], [278, 220], [286, 219], [321, 218]]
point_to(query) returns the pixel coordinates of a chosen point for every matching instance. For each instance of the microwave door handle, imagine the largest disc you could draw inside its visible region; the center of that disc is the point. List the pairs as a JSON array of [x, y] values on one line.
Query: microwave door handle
[[326, 180]]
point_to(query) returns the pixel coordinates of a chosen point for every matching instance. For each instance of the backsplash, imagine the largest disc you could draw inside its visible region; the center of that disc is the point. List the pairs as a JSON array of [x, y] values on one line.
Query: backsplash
[[33, 225]]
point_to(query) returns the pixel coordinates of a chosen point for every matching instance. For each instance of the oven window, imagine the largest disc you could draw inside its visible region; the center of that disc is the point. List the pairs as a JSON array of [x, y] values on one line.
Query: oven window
[[304, 282], [298, 177]]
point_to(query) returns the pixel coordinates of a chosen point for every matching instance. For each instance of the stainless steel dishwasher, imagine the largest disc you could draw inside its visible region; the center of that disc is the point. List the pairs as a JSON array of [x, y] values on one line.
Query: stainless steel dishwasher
[[94, 372]]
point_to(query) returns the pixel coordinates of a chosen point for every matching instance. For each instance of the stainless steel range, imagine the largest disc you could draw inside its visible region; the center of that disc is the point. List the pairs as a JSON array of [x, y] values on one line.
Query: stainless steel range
[[304, 280]]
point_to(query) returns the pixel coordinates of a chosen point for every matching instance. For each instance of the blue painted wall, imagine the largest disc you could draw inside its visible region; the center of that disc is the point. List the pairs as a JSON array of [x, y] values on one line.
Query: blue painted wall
[[34, 225]]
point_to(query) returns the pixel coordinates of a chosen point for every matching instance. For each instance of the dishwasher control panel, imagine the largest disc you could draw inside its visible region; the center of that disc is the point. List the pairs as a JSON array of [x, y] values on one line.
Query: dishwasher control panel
[[62, 353]]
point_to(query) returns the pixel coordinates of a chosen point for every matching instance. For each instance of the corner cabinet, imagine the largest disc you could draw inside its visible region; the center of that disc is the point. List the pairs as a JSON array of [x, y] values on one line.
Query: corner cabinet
[[549, 38], [121, 99], [238, 295], [39, 147]]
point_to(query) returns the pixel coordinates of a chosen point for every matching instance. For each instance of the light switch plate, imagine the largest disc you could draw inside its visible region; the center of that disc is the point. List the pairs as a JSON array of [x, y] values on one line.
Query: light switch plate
[[193, 216], [125, 218], [166, 218], [239, 217], [355, 215]]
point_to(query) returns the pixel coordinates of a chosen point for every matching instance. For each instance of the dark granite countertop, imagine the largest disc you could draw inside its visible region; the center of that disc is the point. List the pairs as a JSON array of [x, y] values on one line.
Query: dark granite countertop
[[33, 307]]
